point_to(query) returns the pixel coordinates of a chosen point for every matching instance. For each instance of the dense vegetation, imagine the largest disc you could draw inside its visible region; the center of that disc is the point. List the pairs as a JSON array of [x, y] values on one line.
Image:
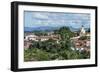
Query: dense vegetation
[[51, 50]]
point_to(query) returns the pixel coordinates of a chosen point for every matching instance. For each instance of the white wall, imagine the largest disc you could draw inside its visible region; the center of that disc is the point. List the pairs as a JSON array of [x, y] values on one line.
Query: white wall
[[5, 35]]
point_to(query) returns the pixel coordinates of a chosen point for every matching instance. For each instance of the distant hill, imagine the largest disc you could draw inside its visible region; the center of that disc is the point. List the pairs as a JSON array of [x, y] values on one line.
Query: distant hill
[[49, 28], [40, 28]]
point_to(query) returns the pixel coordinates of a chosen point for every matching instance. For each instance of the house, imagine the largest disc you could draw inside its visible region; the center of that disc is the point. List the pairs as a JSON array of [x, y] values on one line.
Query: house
[[27, 44], [42, 38], [31, 37], [82, 45]]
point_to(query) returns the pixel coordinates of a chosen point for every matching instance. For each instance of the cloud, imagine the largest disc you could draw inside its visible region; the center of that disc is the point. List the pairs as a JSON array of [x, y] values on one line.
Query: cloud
[[40, 15], [56, 19]]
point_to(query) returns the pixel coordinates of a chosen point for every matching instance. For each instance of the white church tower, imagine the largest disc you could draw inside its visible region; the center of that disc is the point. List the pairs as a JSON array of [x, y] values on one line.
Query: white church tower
[[82, 31]]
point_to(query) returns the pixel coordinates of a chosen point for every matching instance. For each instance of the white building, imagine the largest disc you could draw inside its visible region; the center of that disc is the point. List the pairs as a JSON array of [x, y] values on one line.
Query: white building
[[41, 38], [31, 37], [82, 31]]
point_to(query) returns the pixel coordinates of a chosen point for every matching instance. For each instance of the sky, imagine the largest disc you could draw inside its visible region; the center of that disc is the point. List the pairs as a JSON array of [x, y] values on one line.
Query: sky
[[56, 19]]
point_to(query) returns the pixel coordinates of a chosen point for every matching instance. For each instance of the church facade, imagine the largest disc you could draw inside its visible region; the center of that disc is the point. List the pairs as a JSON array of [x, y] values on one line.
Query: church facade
[[82, 31]]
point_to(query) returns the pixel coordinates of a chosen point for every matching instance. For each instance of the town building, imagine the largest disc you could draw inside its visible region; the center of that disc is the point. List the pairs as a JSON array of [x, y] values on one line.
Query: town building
[[29, 38], [82, 31], [81, 44], [42, 38]]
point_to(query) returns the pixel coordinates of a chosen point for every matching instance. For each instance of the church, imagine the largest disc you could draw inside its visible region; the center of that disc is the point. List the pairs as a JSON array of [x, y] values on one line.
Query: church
[[82, 31]]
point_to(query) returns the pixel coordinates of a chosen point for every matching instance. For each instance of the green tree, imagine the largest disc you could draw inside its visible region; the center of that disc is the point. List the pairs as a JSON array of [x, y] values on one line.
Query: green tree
[[65, 34]]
